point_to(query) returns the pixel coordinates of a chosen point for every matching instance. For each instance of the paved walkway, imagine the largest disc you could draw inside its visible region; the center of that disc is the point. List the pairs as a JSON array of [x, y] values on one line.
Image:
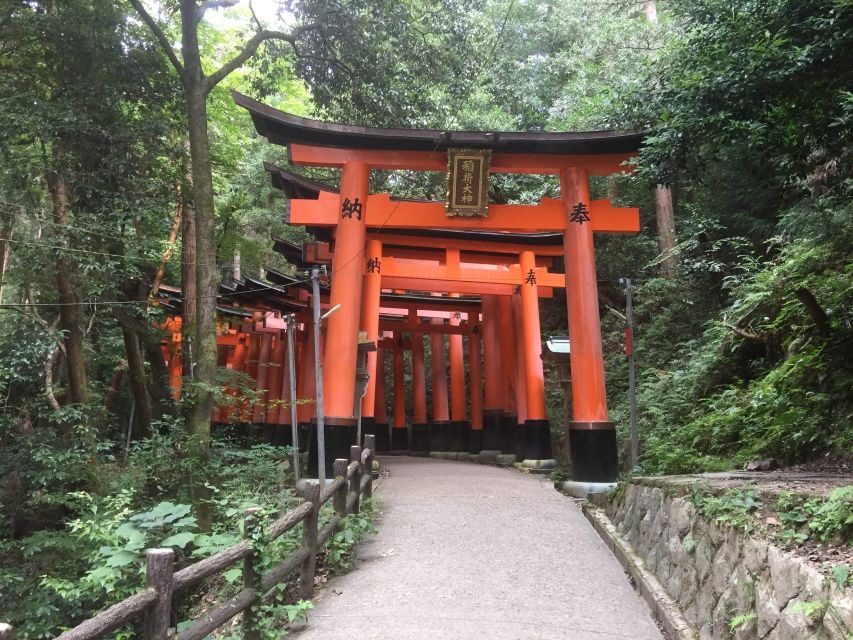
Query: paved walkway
[[468, 551]]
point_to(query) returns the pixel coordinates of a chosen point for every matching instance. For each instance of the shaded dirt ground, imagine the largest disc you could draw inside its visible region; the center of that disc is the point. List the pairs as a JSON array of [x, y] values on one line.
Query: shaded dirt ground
[[470, 551]]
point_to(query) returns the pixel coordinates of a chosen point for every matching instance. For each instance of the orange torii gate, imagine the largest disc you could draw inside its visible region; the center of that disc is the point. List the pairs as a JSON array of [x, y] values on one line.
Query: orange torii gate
[[358, 150], [508, 430]]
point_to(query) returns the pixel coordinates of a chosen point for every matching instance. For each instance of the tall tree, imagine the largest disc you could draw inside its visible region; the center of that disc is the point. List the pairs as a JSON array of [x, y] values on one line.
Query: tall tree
[[664, 208], [197, 85]]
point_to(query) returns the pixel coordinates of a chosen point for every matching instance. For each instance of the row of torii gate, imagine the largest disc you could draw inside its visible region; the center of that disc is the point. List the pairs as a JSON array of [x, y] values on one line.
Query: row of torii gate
[[401, 270]]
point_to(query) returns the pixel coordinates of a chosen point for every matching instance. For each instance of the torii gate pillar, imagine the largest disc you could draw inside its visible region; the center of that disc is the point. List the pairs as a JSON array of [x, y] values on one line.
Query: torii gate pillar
[[592, 437], [399, 432], [342, 331], [371, 294], [383, 436], [495, 398], [537, 429], [420, 425], [475, 435], [439, 429]]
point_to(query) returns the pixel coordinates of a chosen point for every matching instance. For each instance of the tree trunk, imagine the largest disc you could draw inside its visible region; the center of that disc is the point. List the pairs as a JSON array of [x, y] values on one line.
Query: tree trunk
[[158, 385], [7, 222], [666, 230], [69, 310], [207, 276], [136, 376], [651, 9], [112, 392], [188, 282], [821, 319]]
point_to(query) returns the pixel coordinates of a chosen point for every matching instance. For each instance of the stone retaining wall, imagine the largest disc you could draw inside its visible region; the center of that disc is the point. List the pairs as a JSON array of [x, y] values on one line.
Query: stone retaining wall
[[715, 574]]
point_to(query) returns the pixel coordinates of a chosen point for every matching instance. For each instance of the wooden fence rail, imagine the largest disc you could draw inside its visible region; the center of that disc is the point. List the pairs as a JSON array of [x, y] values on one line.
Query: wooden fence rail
[[353, 483]]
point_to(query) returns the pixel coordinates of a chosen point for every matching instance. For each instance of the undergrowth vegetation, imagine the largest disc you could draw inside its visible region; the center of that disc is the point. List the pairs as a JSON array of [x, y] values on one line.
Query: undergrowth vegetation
[[788, 517], [57, 574]]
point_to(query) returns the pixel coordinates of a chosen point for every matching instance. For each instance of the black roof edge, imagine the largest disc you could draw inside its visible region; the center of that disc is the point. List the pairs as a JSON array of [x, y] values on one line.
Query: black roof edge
[[285, 128]]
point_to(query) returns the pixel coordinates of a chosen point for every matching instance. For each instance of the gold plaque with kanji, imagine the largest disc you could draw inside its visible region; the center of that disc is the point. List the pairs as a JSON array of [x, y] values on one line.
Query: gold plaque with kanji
[[468, 182]]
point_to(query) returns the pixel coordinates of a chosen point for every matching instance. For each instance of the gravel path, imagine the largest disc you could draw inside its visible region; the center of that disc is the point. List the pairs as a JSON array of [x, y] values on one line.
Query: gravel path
[[469, 551]]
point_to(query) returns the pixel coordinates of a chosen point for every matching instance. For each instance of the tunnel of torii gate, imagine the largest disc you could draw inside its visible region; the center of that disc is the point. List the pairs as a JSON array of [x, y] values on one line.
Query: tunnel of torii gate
[[377, 244]]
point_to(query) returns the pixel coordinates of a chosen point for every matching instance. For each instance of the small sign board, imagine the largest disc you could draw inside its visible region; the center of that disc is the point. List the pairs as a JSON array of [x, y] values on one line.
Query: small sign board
[[468, 182]]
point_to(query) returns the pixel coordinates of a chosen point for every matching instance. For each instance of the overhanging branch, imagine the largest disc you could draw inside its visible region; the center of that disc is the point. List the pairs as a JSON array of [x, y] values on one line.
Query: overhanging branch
[[160, 35], [216, 4], [251, 47]]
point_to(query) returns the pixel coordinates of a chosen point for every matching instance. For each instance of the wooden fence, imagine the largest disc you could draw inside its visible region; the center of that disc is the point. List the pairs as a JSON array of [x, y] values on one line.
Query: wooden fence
[[353, 482]]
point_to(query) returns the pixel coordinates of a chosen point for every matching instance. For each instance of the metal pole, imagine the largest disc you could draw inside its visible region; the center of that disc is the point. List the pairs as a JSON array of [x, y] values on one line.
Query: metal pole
[[632, 382], [318, 373], [291, 370], [129, 428]]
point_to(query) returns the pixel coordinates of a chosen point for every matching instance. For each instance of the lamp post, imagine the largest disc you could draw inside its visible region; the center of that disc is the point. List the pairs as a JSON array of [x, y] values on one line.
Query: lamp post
[[291, 369], [318, 373], [632, 380]]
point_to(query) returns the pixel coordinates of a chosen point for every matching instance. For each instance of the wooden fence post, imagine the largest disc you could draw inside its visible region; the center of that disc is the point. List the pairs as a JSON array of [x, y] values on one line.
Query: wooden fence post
[[340, 499], [160, 564], [311, 493], [251, 577], [370, 447], [5, 631], [355, 481]]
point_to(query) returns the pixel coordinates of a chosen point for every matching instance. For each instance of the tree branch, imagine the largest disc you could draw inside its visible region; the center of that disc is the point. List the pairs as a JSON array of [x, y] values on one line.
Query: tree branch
[[250, 48], [160, 35], [743, 333], [816, 312], [216, 4]]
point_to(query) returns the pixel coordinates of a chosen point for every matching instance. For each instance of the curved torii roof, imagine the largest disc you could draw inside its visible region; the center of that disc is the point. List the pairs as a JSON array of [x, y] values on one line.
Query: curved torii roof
[[285, 128]]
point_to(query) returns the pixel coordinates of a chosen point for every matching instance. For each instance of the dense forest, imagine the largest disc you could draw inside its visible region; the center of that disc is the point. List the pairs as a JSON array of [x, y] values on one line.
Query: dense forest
[[126, 166]]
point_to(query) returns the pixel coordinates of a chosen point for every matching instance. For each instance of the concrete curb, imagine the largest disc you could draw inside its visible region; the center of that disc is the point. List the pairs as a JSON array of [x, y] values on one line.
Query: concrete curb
[[663, 608]]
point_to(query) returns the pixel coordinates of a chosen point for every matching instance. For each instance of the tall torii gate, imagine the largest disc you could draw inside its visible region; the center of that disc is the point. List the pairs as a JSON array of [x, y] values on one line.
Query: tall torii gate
[[358, 150], [440, 260]]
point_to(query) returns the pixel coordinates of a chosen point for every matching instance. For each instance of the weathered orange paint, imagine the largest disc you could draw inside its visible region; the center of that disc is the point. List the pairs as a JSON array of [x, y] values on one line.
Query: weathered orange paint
[[380, 405], [458, 401], [399, 388], [508, 370], [468, 258], [263, 377], [455, 273], [440, 409], [370, 300], [519, 379], [492, 353], [476, 378], [306, 384], [532, 343], [589, 399], [277, 365], [347, 269], [444, 329], [284, 416], [603, 164], [454, 286], [418, 380], [403, 214], [399, 241]]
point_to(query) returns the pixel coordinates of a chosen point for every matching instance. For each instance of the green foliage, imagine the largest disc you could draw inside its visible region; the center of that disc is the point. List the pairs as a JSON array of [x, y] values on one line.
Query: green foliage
[[733, 507], [842, 575], [354, 527], [824, 519], [741, 621]]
